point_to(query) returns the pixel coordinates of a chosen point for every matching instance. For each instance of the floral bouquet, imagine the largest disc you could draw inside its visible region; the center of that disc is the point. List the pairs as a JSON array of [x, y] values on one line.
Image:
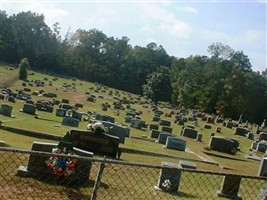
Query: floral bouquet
[[61, 165]]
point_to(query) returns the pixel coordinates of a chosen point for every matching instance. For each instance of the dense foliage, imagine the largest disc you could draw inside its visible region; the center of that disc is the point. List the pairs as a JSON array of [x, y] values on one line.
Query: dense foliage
[[223, 83]]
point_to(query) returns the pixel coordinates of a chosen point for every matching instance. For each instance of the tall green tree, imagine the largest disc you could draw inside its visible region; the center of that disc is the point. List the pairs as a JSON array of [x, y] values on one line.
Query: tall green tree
[[23, 67], [158, 86]]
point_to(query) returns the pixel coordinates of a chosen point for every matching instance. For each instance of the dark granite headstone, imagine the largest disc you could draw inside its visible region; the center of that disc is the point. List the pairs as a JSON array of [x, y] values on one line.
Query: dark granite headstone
[[153, 126], [175, 143], [241, 131], [263, 136], [163, 137], [102, 143], [222, 144], [164, 122], [6, 110], [61, 112], [154, 133], [117, 130], [172, 173], [230, 187], [166, 129], [191, 133], [69, 121], [29, 109]]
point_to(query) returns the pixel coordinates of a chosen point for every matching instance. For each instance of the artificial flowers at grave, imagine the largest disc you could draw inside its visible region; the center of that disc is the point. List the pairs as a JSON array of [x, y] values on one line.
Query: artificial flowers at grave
[[62, 165]]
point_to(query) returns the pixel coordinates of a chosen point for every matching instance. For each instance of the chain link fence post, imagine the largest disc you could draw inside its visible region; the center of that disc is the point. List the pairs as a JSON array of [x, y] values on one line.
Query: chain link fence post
[[98, 179]]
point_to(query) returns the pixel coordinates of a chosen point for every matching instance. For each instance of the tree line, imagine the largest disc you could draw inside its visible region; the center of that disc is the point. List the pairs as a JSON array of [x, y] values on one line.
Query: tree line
[[223, 83]]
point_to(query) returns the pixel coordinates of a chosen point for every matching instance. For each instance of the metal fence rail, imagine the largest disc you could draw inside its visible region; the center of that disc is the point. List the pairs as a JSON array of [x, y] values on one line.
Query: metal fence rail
[[114, 179]]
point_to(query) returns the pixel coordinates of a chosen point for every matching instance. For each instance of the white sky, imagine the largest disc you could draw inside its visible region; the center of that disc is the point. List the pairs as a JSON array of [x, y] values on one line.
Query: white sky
[[183, 28]]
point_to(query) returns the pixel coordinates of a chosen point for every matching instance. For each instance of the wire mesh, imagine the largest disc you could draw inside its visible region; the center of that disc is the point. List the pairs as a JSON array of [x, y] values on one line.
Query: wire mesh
[[118, 180]]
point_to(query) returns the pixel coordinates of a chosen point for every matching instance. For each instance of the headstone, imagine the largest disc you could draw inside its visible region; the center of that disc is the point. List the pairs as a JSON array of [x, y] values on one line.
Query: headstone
[[230, 187], [261, 147], [49, 109], [180, 122], [66, 106], [136, 123], [206, 126], [254, 145], [263, 136], [6, 110], [167, 129], [69, 121], [117, 130], [209, 120], [170, 173], [263, 167], [106, 118], [163, 137], [164, 122], [156, 119], [241, 131], [103, 144], [77, 115], [91, 99], [229, 124], [11, 99], [175, 143], [153, 126], [218, 130], [36, 163], [199, 137], [154, 133], [65, 101], [29, 109], [250, 135], [191, 133], [222, 144], [128, 119], [61, 112], [78, 105]]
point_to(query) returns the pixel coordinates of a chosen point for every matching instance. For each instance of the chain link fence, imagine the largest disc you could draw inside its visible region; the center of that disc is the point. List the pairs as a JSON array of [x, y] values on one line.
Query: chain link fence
[[115, 179]]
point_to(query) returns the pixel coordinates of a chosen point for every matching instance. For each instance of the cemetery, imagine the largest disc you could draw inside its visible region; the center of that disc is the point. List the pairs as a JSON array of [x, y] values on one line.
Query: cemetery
[[150, 138]]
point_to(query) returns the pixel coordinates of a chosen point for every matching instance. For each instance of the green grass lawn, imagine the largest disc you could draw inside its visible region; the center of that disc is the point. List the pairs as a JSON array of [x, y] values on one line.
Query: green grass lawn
[[51, 124]]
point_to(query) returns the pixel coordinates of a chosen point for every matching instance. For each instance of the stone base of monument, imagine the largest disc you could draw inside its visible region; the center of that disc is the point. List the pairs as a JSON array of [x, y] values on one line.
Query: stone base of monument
[[38, 168], [220, 194], [187, 164]]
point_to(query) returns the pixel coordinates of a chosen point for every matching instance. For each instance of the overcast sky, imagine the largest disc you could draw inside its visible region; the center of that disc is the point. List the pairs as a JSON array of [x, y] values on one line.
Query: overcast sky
[[183, 28]]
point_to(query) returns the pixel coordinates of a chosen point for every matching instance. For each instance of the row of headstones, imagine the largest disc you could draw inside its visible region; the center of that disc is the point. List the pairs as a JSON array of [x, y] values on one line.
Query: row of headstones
[[229, 187], [163, 128]]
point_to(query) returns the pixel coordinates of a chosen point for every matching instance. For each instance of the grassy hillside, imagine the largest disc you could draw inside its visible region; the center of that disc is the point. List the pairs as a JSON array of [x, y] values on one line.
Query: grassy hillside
[[78, 91]]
